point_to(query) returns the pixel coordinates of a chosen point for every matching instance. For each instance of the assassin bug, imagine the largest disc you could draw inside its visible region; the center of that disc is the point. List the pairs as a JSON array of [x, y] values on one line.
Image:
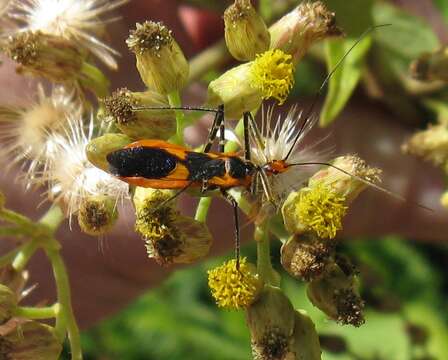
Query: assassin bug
[[162, 165]]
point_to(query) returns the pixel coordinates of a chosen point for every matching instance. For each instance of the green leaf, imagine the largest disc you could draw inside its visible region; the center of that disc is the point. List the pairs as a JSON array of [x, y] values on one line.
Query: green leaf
[[442, 5], [343, 82]]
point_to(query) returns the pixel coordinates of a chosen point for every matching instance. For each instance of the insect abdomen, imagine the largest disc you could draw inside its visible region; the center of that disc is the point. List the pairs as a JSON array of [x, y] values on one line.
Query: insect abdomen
[[146, 162]]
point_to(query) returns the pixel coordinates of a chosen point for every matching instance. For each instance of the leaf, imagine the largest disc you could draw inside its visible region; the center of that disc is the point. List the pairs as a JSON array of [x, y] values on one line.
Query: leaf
[[343, 82], [442, 5]]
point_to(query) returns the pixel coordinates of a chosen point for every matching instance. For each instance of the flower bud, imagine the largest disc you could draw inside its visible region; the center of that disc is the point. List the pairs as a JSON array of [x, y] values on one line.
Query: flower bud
[[98, 148], [170, 238], [246, 33], [243, 88], [336, 296], [30, 341], [431, 66], [305, 256], [307, 24], [344, 184], [234, 288], [141, 124], [430, 144], [97, 214], [317, 208], [45, 55], [305, 341], [8, 302], [271, 323], [160, 61]]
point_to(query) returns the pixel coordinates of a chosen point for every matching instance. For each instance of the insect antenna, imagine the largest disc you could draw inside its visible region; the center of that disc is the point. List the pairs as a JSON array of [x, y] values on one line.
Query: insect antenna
[[310, 109], [365, 181], [187, 108]]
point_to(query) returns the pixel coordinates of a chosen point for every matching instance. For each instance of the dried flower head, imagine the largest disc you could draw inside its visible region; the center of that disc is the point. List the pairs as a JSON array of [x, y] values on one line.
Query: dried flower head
[[97, 214], [160, 61], [305, 256], [28, 134], [141, 124], [8, 302], [272, 346], [298, 30], [169, 237], [30, 341], [45, 55], [349, 307], [246, 33], [78, 21], [234, 288], [272, 72]]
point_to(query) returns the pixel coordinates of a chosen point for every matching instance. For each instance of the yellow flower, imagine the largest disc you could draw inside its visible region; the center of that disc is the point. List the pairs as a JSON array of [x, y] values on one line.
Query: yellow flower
[[234, 288], [321, 209], [273, 74]]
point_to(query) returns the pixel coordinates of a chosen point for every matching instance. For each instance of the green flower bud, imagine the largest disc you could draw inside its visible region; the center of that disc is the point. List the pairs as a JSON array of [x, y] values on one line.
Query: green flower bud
[[305, 256], [304, 344], [430, 144], [141, 124], [8, 302], [298, 30], [98, 148], [97, 214], [246, 33], [344, 184], [30, 341], [431, 66], [49, 56], [271, 323], [160, 61], [170, 238], [335, 294]]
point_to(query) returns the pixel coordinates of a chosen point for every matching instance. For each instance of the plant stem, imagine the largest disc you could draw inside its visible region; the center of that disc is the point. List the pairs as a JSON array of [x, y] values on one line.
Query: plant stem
[[25, 254], [52, 218], [202, 209], [9, 257], [65, 319], [37, 313], [94, 80], [264, 265], [16, 218], [175, 101]]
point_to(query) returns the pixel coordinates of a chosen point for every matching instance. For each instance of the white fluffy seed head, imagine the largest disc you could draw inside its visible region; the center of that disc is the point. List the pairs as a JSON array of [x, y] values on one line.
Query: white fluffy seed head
[[75, 20], [28, 133], [72, 177], [278, 137]]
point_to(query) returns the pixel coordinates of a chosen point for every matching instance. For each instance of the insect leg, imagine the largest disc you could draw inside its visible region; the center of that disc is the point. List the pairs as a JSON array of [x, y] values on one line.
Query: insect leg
[[246, 117], [234, 204], [222, 136], [165, 202], [219, 118]]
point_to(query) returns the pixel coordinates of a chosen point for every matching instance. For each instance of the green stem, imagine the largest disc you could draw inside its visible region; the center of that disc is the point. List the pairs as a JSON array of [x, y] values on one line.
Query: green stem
[[264, 264], [37, 313], [25, 254], [9, 257], [16, 218], [52, 218], [202, 209], [175, 101], [65, 319]]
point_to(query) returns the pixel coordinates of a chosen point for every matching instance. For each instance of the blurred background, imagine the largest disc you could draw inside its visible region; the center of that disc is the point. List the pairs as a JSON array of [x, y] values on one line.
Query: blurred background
[[400, 249]]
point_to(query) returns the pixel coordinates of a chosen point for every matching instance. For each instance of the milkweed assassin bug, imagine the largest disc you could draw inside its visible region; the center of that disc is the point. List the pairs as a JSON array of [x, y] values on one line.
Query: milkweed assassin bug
[[162, 165]]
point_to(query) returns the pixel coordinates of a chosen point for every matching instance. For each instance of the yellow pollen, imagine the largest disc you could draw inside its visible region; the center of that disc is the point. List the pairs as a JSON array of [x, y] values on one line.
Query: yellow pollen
[[232, 288], [321, 209], [273, 74]]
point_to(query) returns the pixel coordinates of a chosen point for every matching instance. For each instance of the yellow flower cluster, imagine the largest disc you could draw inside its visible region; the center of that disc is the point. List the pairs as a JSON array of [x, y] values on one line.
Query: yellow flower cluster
[[321, 209], [234, 288], [272, 72]]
